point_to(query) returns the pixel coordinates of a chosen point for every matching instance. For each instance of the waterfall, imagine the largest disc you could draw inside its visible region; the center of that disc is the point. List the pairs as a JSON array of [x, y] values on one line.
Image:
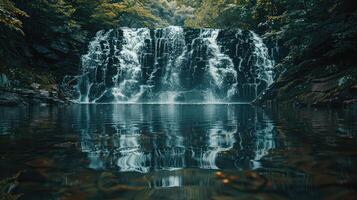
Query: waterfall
[[169, 55], [129, 73], [96, 56], [174, 64], [221, 67]]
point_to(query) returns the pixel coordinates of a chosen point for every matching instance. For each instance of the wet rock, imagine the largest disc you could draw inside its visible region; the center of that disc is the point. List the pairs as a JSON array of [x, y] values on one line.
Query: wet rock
[[10, 196], [109, 184], [248, 196], [9, 99], [326, 64], [60, 46], [35, 86], [248, 181], [41, 163], [52, 56], [21, 96], [37, 189], [75, 194], [67, 145], [41, 49], [330, 90], [45, 52], [32, 176], [335, 193], [350, 102], [324, 85]]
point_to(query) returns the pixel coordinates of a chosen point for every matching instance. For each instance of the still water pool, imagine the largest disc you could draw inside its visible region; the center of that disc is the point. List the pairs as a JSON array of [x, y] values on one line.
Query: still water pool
[[179, 152]]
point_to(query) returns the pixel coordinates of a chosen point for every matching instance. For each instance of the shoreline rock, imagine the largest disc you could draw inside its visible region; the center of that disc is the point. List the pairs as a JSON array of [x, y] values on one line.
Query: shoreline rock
[[333, 90], [21, 96]]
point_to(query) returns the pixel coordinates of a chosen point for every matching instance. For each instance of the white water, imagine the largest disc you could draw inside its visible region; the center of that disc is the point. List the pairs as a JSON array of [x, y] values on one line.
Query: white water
[[91, 60], [221, 66], [161, 67], [264, 63], [127, 79]]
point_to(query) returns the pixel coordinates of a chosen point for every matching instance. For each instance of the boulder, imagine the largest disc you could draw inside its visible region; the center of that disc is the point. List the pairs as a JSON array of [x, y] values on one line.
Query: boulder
[[9, 99]]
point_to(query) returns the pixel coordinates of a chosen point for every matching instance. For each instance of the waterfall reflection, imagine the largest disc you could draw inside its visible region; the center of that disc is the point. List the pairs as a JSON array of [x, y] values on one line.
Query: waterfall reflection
[[149, 138], [173, 151], [219, 140]]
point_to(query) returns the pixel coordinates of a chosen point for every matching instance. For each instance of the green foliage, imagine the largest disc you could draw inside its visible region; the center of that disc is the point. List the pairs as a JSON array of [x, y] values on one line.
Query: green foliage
[[127, 13], [9, 15], [75, 15], [96, 15], [208, 12], [238, 13], [49, 16]]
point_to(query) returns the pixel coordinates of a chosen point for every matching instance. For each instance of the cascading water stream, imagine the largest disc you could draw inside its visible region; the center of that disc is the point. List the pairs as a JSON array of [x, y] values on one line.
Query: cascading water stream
[[174, 64], [97, 52], [221, 67], [129, 73]]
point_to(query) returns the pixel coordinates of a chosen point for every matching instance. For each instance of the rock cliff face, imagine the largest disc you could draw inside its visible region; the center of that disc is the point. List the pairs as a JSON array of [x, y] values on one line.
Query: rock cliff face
[[26, 86], [313, 88], [37, 58], [323, 72]]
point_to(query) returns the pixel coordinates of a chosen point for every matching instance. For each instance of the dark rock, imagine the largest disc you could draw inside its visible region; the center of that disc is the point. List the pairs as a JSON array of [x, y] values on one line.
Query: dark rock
[[249, 181], [20, 96], [41, 49], [45, 52], [52, 56], [41, 163], [331, 90], [61, 46], [110, 185], [66, 145], [9, 99], [32, 176], [324, 85]]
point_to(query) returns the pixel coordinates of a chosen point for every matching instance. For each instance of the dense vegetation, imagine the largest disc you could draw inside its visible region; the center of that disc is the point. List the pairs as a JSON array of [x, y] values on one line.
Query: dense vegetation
[[317, 38]]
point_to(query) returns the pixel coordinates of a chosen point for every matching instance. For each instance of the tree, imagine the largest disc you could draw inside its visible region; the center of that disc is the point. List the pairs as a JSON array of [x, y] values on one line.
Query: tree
[[10, 14]]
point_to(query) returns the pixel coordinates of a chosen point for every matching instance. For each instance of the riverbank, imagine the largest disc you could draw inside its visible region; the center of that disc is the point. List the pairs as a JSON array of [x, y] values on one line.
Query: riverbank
[[18, 96], [27, 86]]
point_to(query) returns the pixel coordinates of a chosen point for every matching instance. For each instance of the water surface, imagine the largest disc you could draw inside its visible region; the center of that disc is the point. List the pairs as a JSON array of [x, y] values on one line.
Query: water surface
[[179, 152]]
